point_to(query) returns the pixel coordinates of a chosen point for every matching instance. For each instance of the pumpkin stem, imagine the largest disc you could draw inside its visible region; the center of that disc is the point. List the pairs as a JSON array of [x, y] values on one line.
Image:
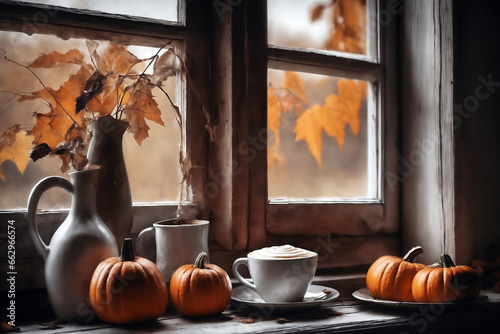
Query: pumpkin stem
[[412, 254], [127, 251], [446, 261], [200, 261]]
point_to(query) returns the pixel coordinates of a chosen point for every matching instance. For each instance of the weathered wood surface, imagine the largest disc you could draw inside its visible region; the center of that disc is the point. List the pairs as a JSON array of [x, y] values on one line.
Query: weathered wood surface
[[335, 317], [75, 23], [426, 169]]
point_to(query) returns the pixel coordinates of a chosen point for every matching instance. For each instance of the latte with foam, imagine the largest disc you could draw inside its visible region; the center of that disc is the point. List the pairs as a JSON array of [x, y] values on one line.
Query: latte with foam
[[281, 252]]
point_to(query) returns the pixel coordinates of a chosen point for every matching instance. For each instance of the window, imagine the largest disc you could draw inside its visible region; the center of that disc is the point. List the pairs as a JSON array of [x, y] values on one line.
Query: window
[[33, 27], [148, 184], [233, 62], [331, 48], [41, 23]]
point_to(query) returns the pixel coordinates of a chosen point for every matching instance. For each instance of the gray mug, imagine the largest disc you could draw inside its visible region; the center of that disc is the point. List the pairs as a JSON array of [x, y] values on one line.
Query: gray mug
[[178, 242]]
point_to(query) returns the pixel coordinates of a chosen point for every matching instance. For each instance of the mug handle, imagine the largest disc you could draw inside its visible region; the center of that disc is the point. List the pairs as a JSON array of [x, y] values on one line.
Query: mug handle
[[244, 281], [34, 198], [149, 234]]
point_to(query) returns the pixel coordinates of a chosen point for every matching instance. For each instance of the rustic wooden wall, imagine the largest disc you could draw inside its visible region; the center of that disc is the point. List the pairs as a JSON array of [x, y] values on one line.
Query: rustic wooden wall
[[450, 112], [426, 161]]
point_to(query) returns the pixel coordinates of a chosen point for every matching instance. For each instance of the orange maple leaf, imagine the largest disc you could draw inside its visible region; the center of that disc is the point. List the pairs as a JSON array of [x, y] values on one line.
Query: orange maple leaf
[[15, 146], [309, 127], [350, 96], [332, 119], [349, 23], [338, 111]]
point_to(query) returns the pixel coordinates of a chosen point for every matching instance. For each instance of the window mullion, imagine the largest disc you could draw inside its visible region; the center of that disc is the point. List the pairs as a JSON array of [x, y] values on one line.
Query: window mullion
[[328, 64]]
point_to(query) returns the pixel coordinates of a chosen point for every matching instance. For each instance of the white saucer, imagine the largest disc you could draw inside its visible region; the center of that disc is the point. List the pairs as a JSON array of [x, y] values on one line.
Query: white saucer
[[314, 297], [365, 295]]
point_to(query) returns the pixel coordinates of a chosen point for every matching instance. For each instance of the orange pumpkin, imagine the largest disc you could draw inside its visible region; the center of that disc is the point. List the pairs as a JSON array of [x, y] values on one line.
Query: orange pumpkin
[[446, 283], [390, 277], [200, 289], [128, 288]]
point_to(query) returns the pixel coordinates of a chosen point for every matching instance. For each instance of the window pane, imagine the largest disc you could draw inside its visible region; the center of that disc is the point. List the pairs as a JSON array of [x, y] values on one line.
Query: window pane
[[153, 167], [154, 9], [337, 25], [323, 139]]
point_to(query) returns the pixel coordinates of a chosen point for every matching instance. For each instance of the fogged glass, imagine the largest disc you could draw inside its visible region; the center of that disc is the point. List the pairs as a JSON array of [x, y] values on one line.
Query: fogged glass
[[153, 167], [322, 137], [337, 25], [154, 9]]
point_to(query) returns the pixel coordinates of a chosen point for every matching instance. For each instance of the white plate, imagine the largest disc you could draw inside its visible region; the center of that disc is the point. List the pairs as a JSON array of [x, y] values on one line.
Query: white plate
[[314, 297], [365, 295]]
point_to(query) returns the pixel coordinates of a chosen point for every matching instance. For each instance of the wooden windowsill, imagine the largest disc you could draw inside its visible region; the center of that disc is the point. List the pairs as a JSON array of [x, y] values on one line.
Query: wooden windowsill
[[337, 316]]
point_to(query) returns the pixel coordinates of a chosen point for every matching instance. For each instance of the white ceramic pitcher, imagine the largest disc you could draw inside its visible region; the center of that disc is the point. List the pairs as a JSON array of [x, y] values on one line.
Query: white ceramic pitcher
[[76, 248]]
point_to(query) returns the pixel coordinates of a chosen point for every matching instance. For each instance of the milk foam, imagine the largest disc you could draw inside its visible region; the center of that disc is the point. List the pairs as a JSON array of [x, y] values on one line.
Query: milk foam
[[281, 252]]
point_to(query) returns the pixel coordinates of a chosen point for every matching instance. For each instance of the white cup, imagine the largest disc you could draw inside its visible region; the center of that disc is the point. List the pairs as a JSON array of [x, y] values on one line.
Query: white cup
[[280, 273]]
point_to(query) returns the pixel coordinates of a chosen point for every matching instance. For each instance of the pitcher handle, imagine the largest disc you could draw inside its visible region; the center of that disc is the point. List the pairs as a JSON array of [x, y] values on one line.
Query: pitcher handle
[[34, 198], [141, 250]]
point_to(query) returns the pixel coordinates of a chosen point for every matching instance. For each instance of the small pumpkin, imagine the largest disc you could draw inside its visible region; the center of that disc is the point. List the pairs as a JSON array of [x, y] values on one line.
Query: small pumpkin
[[390, 277], [200, 289], [128, 289], [446, 283]]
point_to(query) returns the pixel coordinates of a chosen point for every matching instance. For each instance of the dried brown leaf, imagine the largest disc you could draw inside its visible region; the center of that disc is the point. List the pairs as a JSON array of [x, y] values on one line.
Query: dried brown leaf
[[283, 320], [317, 12], [93, 86], [249, 320], [165, 66], [50, 127], [43, 132], [39, 151], [138, 126], [140, 106], [57, 59], [51, 324], [8, 328], [115, 58]]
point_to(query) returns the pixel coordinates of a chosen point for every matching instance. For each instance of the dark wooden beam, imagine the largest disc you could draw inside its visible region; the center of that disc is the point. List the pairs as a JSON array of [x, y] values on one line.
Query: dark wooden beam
[[77, 23]]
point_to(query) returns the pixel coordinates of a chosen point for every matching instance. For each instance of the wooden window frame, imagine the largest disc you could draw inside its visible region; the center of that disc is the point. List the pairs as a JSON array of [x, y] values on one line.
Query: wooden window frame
[[242, 215]]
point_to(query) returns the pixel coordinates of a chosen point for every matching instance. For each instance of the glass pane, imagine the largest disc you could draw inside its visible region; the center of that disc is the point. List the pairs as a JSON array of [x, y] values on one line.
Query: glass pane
[[154, 9], [338, 25], [322, 141], [153, 166]]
